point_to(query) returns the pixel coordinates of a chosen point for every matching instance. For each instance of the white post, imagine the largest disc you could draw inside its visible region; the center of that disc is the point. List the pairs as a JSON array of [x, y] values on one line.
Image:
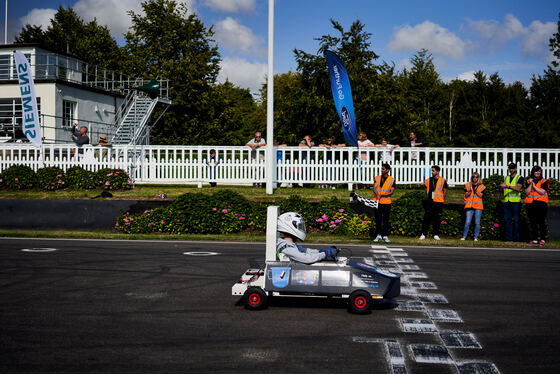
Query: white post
[[6, 25], [270, 156]]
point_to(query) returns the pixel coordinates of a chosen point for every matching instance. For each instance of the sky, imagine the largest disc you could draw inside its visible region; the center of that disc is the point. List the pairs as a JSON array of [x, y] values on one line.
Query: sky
[[505, 37]]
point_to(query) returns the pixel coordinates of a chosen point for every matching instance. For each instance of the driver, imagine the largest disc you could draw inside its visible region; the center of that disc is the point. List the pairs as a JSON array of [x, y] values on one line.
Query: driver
[[292, 226]]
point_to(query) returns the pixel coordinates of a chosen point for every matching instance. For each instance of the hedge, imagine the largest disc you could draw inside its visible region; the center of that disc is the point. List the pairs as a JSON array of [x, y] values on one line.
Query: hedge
[[20, 177], [228, 212]]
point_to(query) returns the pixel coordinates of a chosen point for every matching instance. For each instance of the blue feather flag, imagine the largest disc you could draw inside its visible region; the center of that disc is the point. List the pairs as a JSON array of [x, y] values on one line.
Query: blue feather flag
[[342, 95]]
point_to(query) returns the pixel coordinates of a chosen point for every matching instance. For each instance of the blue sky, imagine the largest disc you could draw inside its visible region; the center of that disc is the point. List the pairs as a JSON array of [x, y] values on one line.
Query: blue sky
[[507, 37]]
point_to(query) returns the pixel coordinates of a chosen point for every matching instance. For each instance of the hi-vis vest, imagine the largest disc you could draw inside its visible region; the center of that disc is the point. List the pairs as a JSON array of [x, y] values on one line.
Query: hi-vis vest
[[384, 190], [439, 196], [473, 201], [535, 196], [511, 196]]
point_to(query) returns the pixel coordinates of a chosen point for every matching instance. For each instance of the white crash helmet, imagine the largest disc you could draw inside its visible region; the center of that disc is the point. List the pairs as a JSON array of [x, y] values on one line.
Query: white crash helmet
[[293, 224]]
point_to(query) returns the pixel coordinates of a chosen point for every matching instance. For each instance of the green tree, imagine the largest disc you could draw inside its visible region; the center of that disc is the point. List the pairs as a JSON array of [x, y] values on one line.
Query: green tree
[[425, 95], [554, 45], [166, 41], [68, 33]]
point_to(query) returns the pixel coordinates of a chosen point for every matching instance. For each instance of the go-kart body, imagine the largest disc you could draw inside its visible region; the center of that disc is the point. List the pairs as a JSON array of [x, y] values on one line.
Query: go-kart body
[[340, 277]]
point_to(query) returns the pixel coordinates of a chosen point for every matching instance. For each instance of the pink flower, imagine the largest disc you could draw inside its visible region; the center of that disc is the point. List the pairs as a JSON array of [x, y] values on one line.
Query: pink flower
[[496, 225], [443, 222], [128, 181], [109, 175], [229, 206], [483, 227], [146, 211], [325, 218], [178, 220], [59, 175], [128, 223], [150, 224], [224, 211], [16, 179], [241, 218], [163, 222], [364, 222], [341, 211], [337, 221], [318, 220], [107, 183], [333, 226], [214, 209]]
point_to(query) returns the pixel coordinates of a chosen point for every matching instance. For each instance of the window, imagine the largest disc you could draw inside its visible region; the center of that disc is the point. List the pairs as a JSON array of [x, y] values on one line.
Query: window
[[10, 117], [5, 66], [69, 113]]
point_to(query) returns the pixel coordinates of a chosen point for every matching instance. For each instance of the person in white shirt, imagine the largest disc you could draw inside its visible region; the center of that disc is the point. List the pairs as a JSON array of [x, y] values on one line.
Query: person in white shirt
[[387, 152], [363, 141]]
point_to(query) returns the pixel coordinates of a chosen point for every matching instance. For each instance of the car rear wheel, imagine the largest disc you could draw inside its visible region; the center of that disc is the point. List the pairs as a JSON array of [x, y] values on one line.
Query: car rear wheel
[[359, 302], [255, 298]]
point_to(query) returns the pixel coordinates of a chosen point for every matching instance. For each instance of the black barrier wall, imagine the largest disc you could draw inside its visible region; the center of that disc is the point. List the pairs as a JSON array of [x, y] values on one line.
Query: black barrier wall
[[102, 214]]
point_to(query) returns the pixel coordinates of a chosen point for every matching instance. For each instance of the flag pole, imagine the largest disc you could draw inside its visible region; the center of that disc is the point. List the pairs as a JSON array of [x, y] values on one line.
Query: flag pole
[[270, 156]]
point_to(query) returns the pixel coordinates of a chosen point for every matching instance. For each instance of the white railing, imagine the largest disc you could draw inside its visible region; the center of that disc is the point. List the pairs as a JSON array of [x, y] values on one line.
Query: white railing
[[240, 166]]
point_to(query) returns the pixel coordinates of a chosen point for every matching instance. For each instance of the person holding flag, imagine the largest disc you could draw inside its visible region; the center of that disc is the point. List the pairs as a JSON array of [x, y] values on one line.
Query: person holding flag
[[383, 189]]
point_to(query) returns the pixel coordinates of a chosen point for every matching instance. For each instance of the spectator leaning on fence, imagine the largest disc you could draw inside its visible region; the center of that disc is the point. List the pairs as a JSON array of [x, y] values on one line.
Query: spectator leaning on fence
[[512, 202], [474, 190], [383, 188], [436, 189], [255, 143], [387, 150], [537, 204]]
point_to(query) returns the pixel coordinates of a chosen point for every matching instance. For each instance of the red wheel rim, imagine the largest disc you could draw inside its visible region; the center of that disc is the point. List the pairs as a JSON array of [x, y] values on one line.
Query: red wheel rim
[[360, 302], [254, 299]]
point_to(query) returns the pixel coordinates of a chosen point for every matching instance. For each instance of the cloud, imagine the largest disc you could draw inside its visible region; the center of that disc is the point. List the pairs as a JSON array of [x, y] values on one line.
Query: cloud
[[38, 17], [436, 39], [112, 13], [467, 76], [243, 73], [231, 6], [495, 35], [236, 37]]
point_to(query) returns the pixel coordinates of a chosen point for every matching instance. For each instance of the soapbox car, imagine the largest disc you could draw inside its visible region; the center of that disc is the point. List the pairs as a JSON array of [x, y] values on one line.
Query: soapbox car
[[341, 277]]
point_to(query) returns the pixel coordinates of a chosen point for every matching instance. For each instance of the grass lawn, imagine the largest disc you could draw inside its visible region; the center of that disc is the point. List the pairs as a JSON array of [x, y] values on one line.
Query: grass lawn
[[258, 237], [150, 192]]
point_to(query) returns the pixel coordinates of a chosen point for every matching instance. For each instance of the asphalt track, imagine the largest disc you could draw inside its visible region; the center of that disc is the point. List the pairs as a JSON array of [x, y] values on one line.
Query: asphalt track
[[141, 306]]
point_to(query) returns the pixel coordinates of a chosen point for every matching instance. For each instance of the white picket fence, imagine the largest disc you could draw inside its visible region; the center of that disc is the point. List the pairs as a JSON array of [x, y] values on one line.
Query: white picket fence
[[239, 165]]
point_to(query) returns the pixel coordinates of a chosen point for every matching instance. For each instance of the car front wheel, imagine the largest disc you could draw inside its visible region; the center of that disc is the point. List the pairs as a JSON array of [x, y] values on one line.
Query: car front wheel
[[255, 298]]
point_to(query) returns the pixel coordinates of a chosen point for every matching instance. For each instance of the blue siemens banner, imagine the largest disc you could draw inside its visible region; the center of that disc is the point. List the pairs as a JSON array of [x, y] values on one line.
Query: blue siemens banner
[[342, 95]]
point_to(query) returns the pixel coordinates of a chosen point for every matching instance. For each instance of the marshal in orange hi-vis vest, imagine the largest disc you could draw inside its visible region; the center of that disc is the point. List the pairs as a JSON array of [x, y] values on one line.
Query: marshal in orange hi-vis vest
[[473, 201], [384, 190], [439, 196]]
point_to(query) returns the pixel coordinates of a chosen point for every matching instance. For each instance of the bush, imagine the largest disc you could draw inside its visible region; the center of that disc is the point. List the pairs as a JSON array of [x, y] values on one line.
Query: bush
[[51, 178], [221, 213], [360, 226], [19, 177], [81, 179], [407, 213], [113, 179], [554, 187], [303, 207], [492, 184]]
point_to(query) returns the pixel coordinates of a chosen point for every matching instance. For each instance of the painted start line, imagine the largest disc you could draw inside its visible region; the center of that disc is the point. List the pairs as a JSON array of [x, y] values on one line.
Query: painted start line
[[201, 253], [38, 250]]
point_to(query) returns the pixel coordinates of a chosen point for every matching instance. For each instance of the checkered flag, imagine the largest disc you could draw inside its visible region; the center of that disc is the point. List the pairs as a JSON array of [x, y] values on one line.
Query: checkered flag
[[362, 205]]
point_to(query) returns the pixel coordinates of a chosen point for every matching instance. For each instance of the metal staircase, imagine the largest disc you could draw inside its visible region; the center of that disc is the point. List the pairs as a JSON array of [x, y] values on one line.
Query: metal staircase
[[132, 119]]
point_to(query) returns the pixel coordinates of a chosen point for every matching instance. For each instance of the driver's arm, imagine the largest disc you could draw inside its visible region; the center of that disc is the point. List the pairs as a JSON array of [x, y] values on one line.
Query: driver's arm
[[307, 256]]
